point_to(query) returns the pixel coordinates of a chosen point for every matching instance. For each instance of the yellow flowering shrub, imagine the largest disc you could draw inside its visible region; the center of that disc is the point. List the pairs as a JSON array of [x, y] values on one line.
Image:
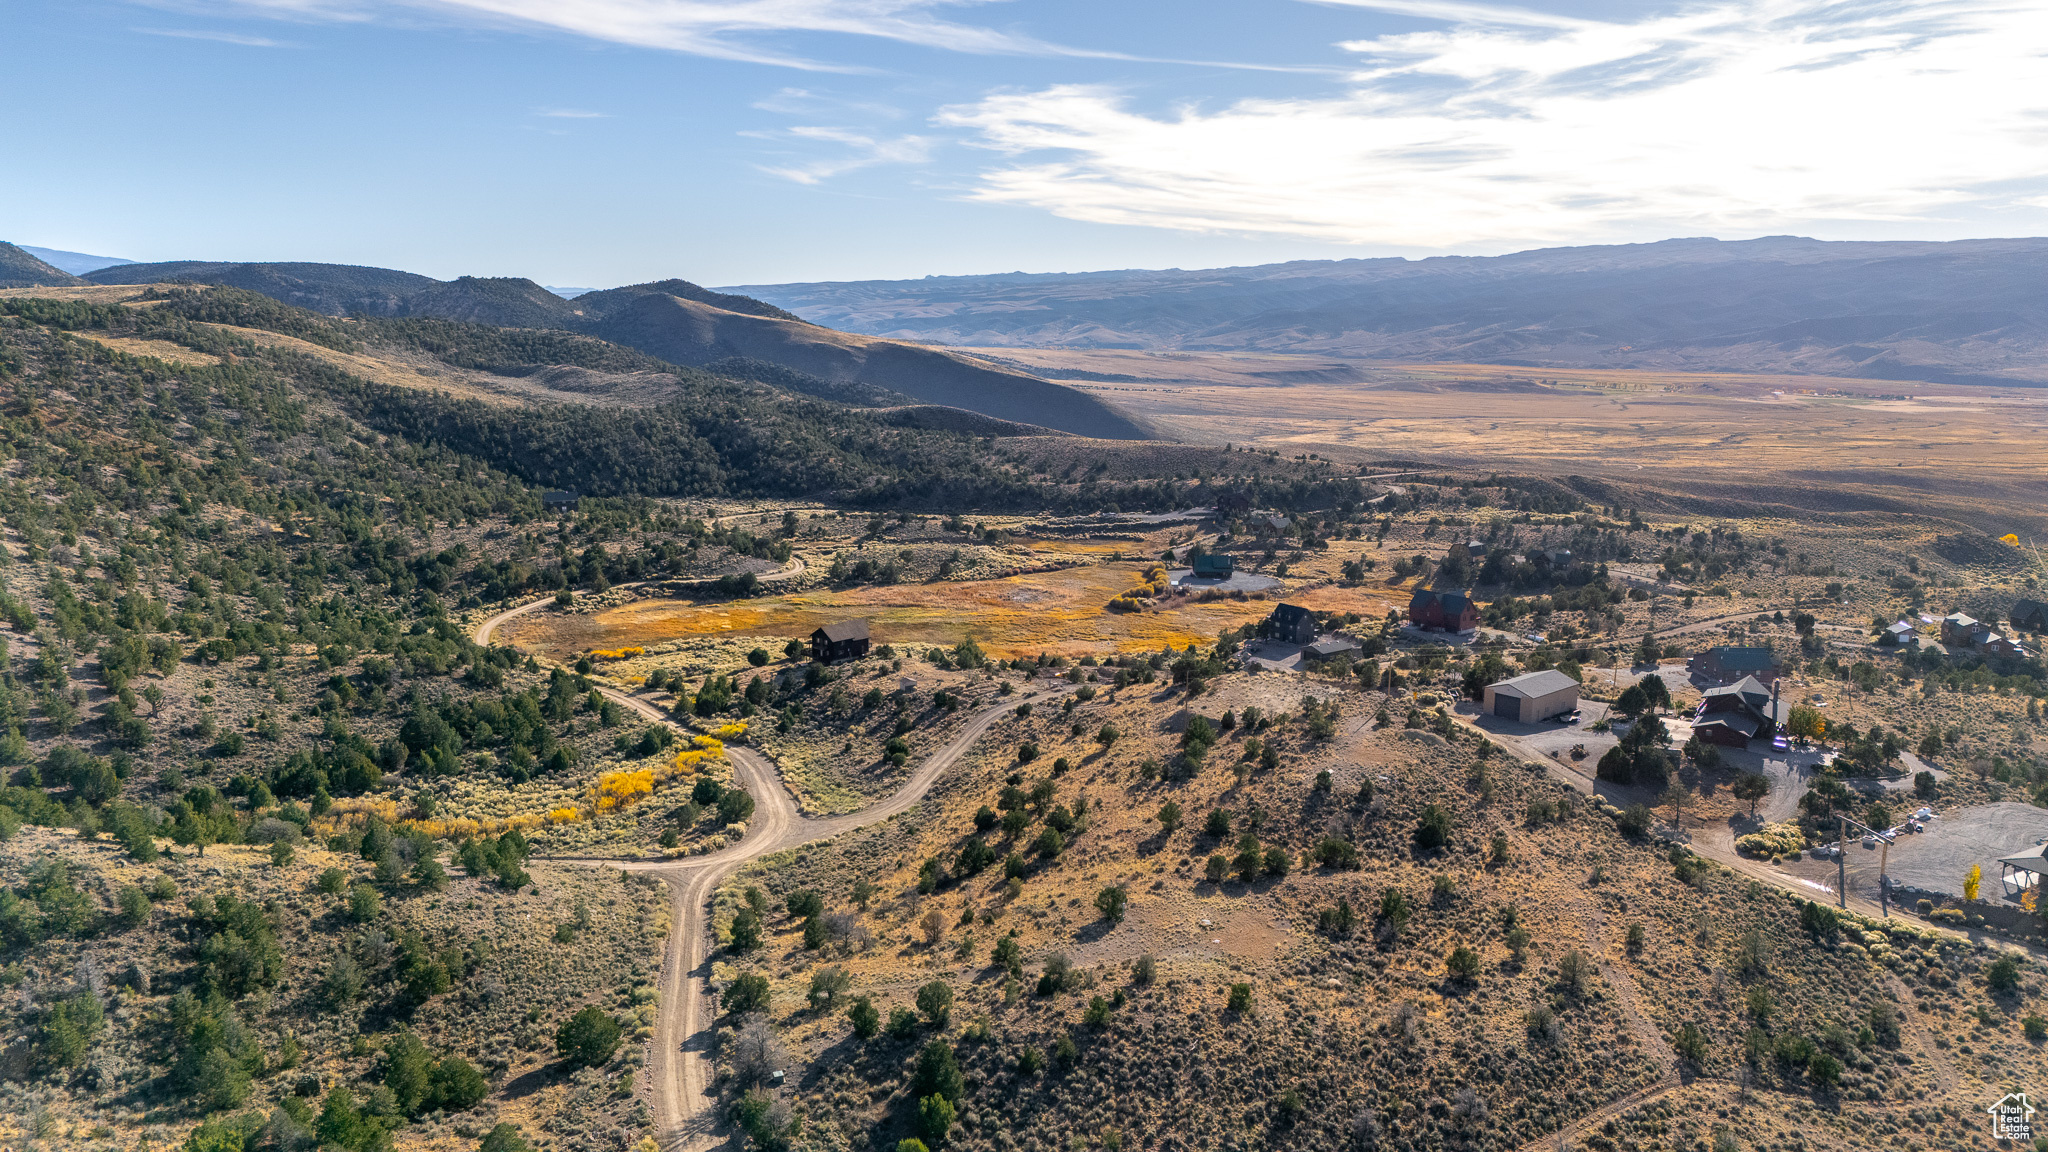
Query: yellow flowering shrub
[[622, 789]]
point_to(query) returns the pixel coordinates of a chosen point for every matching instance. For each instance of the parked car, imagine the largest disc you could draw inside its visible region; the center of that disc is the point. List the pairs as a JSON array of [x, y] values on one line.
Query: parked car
[[1780, 744]]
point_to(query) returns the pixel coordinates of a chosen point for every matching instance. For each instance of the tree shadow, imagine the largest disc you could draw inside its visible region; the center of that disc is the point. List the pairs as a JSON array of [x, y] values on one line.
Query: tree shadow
[[1094, 930], [528, 1082]]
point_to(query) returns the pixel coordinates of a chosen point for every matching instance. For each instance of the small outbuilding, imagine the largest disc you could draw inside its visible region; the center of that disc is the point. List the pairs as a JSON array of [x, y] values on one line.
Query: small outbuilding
[[559, 501], [2019, 873], [1290, 624], [842, 640], [1330, 646], [1213, 566], [1533, 696]]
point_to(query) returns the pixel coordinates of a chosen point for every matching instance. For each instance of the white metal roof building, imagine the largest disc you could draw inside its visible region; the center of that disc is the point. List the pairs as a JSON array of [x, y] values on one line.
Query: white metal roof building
[[1533, 696]]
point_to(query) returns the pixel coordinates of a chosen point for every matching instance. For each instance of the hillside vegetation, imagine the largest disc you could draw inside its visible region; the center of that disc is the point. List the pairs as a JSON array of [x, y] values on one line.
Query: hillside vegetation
[[290, 861], [19, 269], [672, 319]]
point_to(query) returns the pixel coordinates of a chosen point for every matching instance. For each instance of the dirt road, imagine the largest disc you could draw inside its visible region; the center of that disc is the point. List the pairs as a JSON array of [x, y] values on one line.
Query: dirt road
[[484, 631], [678, 1069]]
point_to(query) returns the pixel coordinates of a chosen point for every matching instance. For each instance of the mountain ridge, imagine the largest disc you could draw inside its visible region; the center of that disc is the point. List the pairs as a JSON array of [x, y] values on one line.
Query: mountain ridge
[[1968, 311], [76, 263], [21, 269], [681, 322]]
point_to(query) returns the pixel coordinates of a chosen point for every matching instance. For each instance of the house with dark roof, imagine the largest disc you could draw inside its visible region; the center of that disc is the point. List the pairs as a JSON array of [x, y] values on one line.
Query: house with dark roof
[[1727, 664], [1213, 566], [1290, 624], [559, 501], [841, 640], [1733, 715], [1473, 550], [1447, 608], [2029, 616], [1994, 644], [1330, 646]]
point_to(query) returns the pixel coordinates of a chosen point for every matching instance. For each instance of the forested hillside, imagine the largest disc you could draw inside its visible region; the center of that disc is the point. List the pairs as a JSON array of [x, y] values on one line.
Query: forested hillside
[[267, 808], [282, 846], [672, 319]]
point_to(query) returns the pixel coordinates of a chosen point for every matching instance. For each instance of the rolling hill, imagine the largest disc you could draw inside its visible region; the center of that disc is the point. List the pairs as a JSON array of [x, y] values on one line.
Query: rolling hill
[[1967, 312], [677, 321], [19, 269], [76, 263]]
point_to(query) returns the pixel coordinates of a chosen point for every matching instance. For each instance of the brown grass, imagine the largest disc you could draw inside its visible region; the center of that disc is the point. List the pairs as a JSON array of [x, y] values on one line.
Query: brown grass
[[95, 294], [160, 349], [383, 370]]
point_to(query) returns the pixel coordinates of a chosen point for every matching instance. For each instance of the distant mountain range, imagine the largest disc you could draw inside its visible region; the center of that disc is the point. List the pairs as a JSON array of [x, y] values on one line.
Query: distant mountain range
[[1967, 312], [675, 320], [20, 268], [76, 263]]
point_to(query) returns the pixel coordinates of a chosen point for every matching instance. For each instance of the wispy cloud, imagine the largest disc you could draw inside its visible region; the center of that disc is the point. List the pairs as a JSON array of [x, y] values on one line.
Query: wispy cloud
[[805, 102], [1506, 125], [725, 29], [860, 151], [219, 37]]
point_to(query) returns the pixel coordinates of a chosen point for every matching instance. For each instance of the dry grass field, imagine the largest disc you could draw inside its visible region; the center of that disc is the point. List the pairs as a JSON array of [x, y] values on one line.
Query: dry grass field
[[1809, 440], [1058, 612]]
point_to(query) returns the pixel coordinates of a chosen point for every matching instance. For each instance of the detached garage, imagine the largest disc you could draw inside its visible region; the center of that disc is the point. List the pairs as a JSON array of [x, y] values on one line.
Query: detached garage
[[1532, 697]]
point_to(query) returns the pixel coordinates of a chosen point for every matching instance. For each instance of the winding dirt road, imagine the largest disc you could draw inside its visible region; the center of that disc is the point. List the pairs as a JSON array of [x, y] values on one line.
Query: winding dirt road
[[678, 1070], [484, 631]]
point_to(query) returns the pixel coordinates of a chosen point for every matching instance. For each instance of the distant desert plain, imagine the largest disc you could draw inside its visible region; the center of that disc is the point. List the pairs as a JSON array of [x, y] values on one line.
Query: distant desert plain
[[1975, 453]]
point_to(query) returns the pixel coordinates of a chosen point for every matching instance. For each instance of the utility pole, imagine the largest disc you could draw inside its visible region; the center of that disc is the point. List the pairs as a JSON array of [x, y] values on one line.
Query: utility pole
[[1841, 859], [1884, 878]]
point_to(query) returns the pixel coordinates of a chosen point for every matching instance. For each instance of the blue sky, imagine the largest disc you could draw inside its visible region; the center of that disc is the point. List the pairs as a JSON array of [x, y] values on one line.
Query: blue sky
[[599, 142]]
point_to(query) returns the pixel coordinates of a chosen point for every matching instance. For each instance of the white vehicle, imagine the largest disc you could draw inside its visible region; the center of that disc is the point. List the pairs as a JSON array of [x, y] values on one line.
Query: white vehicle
[[1924, 814]]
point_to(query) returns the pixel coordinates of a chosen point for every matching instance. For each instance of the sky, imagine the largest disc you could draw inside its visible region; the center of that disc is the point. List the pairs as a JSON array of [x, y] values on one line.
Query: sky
[[603, 142]]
